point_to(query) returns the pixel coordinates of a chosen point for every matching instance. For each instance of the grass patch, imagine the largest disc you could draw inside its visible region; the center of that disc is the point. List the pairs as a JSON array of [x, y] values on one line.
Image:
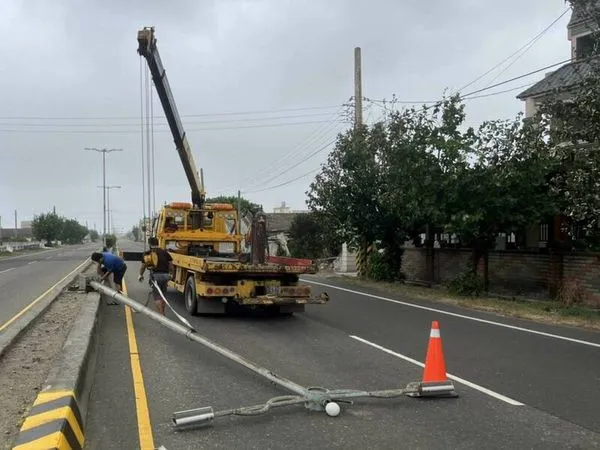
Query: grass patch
[[549, 312]]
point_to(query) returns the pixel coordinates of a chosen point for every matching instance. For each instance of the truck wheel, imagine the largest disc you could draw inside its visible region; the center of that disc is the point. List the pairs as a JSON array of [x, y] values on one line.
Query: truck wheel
[[191, 299]]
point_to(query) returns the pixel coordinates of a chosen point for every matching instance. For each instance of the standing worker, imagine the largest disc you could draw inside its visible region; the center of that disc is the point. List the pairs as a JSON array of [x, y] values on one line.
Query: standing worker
[[109, 263], [158, 261]]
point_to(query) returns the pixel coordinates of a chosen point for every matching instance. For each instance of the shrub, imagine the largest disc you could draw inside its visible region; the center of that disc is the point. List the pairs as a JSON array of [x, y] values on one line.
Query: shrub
[[468, 283], [571, 293], [111, 241], [381, 269]]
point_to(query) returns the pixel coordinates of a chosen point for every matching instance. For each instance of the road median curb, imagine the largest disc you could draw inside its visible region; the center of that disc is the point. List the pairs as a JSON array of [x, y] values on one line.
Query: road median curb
[[58, 416], [37, 308]]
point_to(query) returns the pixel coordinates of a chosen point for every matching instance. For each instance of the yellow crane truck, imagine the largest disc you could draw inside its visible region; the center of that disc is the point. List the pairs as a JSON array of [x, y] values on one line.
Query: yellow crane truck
[[211, 266]]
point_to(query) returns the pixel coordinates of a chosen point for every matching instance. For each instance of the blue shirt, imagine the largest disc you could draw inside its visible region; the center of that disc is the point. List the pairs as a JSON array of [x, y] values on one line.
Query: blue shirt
[[112, 262]]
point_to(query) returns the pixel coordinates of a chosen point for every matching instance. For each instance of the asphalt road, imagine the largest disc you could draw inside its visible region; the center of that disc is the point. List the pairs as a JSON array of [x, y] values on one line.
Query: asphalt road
[[24, 278], [541, 389]]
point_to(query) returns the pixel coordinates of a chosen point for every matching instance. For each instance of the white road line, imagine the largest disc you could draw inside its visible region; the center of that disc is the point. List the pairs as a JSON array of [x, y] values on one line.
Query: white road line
[[462, 316], [486, 391], [7, 270], [30, 263]]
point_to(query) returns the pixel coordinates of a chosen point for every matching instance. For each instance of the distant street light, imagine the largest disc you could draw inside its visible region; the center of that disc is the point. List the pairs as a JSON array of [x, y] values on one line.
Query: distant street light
[[108, 188], [104, 151]]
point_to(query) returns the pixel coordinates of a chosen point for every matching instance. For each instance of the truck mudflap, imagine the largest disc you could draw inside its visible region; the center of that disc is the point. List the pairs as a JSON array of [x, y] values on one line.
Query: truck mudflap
[[274, 300]]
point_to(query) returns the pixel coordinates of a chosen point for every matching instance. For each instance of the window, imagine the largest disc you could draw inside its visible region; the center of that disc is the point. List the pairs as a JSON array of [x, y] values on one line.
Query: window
[[544, 232], [585, 46]]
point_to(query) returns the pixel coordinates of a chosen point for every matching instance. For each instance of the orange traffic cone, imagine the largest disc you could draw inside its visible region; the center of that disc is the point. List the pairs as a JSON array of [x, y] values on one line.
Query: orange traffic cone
[[435, 379], [435, 366]]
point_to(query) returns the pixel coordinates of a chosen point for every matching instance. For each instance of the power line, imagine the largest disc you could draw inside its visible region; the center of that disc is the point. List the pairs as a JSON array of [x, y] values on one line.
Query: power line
[[516, 78], [314, 153], [231, 113], [527, 46], [470, 95], [523, 86], [317, 135], [202, 122], [315, 139], [282, 184], [299, 151], [274, 125]]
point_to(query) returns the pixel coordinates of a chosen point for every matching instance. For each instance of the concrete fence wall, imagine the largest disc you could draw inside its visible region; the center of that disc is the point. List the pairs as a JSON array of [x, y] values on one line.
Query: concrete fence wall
[[512, 272], [346, 261], [17, 246]]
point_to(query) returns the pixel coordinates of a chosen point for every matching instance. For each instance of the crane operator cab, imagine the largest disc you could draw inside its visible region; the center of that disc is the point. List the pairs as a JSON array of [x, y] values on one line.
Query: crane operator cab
[[210, 231]]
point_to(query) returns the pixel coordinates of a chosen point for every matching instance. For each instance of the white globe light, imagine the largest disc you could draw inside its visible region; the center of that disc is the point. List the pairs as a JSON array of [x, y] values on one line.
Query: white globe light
[[332, 409]]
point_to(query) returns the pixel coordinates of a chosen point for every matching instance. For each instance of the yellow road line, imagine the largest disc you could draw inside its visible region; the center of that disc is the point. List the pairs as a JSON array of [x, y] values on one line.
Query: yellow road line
[[37, 300], [141, 401]]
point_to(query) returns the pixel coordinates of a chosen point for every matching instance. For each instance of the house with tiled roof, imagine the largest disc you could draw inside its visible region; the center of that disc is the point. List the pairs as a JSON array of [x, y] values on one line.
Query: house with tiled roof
[[562, 83], [278, 227], [564, 80]]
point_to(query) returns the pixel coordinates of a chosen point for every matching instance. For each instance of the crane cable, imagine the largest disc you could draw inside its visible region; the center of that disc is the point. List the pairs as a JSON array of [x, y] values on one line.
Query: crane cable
[[142, 144], [152, 147], [148, 152]]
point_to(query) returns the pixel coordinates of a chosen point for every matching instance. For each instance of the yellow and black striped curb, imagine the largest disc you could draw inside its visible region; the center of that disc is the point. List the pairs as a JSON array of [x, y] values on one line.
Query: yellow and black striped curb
[[54, 422], [362, 259]]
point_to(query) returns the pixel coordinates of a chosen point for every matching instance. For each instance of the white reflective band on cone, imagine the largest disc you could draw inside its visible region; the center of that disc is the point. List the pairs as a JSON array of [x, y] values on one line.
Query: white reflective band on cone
[[442, 387], [435, 333]]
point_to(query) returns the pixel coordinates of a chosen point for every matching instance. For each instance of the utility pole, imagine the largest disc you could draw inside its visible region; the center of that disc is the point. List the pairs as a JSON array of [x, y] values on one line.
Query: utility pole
[[104, 151], [358, 108], [16, 231], [239, 213], [363, 255], [107, 190]]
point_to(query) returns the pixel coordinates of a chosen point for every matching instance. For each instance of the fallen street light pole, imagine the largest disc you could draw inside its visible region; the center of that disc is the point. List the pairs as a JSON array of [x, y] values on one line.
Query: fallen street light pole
[[313, 398], [190, 334]]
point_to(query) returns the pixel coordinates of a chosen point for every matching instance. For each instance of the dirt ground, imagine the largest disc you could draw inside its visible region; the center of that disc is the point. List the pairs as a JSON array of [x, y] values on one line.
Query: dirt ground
[[24, 367]]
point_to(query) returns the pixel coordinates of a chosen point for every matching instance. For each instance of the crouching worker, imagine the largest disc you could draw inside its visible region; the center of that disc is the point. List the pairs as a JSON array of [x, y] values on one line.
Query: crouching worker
[[158, 262], [109, 263]]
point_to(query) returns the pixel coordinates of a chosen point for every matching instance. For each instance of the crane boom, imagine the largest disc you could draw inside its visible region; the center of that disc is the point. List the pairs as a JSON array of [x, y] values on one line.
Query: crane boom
[[147, 48]]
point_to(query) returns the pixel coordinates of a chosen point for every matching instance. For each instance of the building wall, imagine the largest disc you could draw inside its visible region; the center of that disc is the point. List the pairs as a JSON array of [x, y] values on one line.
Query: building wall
[[8, 234], [530, 107], [512, 272]]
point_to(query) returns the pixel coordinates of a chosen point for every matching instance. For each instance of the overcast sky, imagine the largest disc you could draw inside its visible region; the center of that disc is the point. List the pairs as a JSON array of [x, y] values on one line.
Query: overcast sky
[[69, 79]]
